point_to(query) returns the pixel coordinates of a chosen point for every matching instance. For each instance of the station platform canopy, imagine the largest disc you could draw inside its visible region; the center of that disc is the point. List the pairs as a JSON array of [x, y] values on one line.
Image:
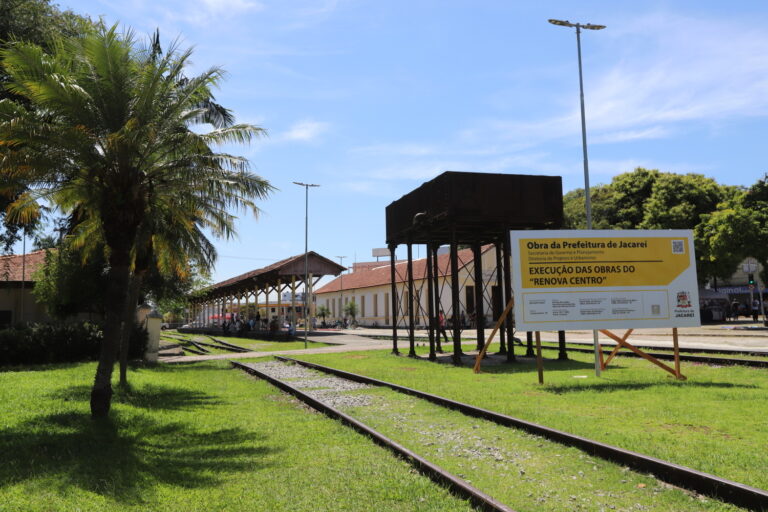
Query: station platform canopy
[[274, 276]]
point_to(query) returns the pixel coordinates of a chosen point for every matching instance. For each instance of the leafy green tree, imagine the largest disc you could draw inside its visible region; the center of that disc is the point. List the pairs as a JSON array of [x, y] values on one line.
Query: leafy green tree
[[678, 201], [755, 202], [68, 284], [351, 309], [574, 208], [629, 193], [323, 311], [722, 241], [111, 137], [38, 22]]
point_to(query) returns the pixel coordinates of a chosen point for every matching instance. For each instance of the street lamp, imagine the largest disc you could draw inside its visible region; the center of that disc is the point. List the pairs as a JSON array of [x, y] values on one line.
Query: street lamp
[[306, 254], [578, 27], [587, 199], [341, 289]]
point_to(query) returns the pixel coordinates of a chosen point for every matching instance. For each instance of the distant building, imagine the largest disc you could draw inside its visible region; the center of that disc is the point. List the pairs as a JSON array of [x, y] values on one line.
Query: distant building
[[17, 304], [369, 285]]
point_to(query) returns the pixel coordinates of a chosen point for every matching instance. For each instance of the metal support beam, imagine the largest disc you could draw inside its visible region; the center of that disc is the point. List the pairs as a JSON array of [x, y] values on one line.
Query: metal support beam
[[411, 308], [508, 295], [392, 248], [431, 304], [438, 302], [457, 352], [500, 287], [479, 296]]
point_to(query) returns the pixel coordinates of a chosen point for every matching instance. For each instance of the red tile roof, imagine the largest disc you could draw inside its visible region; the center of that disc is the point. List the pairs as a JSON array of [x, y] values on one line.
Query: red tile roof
[[13, 265], [381, 275]]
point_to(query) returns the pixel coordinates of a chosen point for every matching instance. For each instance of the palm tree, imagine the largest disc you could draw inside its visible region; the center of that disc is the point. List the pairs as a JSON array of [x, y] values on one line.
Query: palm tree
[[110, 136], [322, 312], [351, 309]]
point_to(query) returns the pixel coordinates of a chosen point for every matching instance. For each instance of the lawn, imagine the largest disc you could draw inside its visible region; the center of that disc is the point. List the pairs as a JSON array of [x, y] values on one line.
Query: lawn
[[249, 343], [714, 422], [194, 438]]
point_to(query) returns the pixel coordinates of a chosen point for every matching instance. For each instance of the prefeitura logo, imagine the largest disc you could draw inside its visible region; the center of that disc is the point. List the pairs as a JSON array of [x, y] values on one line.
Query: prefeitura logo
[[683, 299]]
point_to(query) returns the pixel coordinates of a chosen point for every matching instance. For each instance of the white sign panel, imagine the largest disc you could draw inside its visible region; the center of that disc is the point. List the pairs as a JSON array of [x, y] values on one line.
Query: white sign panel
[[604, 279]]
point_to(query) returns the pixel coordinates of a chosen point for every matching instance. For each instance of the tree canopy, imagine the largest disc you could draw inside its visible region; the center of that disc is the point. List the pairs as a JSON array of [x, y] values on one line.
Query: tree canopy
[[109, 140], [729, 223], [41, 23]]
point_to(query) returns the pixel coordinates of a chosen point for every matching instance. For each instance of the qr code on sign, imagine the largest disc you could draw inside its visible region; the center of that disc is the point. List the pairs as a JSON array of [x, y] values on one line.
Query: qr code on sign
[[678, 246]]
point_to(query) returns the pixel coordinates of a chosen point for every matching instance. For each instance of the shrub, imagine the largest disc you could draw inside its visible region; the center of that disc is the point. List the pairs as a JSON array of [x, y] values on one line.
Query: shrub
[[60, 343]]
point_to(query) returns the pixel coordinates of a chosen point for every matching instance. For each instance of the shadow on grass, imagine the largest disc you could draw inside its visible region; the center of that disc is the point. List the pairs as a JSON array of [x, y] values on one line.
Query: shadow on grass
[[608, 387], [148, 397], [124, 457], [41, 367], [495, 363]]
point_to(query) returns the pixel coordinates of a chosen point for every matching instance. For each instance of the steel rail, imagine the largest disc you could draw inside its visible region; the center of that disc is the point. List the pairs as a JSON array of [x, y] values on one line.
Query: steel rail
[[704, 483], [756, 363], [458, 486], [230, 345]]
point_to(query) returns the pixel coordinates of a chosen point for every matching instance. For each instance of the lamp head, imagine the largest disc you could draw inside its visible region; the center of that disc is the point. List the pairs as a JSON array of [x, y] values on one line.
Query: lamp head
[[562, 23]]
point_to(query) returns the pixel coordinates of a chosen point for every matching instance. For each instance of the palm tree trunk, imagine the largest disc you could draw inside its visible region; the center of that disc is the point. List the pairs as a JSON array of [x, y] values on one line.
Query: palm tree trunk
[[117, 291], [129, 320]]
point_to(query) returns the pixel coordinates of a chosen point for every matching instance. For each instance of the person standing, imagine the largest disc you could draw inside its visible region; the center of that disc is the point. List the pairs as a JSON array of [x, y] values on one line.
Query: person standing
[[755, 309], [441, 327]]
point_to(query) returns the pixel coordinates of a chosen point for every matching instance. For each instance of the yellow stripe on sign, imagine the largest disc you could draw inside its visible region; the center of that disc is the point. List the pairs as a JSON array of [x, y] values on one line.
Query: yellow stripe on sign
[[602, 262]]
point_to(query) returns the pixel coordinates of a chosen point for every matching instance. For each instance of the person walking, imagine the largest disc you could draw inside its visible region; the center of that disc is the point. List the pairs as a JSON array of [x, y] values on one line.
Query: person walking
[[755, 309], [441, 327]]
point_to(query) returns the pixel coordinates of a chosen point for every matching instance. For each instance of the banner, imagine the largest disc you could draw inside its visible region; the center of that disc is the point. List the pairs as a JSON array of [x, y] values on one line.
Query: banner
[[604, 279]]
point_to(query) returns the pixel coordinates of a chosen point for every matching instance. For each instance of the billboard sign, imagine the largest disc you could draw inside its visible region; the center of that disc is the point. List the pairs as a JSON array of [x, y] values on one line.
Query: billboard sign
[[603, 279], [380, 253]]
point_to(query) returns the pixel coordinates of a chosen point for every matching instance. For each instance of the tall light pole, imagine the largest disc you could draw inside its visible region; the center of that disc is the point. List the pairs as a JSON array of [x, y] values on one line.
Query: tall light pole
[[341, 289], [306, 254], [587, 199]]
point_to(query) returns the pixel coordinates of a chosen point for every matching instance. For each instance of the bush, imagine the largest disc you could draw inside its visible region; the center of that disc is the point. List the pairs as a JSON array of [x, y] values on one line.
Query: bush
[[60, 343]]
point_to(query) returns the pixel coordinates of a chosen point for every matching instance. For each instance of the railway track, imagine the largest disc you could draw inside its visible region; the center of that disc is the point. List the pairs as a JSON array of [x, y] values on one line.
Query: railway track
[[710, 360], [457, 485], [700, 482]]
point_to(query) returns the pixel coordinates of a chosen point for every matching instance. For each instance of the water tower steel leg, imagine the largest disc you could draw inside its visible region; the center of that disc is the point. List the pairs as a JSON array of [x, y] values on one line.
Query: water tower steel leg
[[500, 287], [411, 320], [457, 352], [438, 302], [508, 295], [394, 298], [431, 305], [479, 310]]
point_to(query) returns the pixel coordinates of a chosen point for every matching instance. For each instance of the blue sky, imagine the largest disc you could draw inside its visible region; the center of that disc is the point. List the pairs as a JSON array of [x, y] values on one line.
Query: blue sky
[[371, 99]]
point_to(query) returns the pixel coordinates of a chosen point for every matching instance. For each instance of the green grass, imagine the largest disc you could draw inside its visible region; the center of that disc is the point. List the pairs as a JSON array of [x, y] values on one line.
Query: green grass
[[659, 350], [191, 438], [249, 343], [714, 422], [524, 471]]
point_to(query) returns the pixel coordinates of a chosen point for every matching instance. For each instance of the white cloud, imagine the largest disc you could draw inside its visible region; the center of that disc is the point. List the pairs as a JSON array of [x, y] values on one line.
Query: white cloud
[[306, 130], [667, 70]]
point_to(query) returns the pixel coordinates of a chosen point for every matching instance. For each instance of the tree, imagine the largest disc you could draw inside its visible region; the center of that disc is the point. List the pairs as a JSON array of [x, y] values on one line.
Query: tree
[[68, 284], [38, 22], [650, 199], [323, 311], [722, 241], [755, 202], [678, 201], [351, 309], [111, 137]]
